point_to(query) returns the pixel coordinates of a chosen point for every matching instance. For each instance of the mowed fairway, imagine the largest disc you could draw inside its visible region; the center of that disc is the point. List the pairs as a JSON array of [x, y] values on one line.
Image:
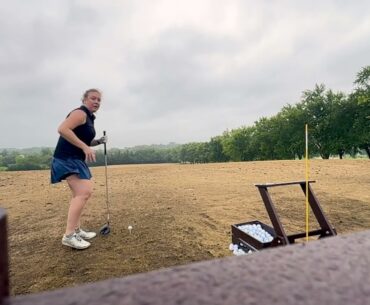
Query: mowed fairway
[[179, 213]]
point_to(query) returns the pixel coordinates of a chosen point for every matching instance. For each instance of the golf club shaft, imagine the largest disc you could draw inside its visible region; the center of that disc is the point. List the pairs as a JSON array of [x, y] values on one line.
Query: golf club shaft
[[106, 178]]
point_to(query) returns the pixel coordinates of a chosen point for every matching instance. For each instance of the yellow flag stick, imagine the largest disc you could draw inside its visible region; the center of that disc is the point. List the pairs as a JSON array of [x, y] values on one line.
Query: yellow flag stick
[[307, 173]]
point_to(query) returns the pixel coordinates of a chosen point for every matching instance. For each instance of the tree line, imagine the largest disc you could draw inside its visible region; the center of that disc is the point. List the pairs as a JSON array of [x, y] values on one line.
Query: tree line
[[338, 123]]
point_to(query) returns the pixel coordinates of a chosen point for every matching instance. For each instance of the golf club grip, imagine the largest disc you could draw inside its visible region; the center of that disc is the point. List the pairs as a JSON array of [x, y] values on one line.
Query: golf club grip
[[105, 144]]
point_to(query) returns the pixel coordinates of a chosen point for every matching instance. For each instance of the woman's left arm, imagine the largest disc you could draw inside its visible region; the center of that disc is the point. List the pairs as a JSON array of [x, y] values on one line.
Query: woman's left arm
[[99, 141]]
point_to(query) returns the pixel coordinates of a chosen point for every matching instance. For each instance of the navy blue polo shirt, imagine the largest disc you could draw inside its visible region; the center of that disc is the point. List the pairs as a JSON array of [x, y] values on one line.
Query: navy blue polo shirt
[[86, 133]]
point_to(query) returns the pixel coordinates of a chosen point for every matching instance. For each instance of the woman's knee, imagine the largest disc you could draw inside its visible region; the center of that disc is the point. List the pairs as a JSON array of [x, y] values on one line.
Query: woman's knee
[[80, 188], [85, 193]]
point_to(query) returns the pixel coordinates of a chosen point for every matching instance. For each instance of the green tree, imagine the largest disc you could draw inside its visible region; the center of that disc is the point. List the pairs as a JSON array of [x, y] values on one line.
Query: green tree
[[237, 144], [265, 139], [292, 130], [216, 150], [320, 107], [361, 99]]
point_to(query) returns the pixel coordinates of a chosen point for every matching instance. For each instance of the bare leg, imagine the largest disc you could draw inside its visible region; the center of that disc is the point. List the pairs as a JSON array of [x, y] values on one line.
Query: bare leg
[[81, 192]]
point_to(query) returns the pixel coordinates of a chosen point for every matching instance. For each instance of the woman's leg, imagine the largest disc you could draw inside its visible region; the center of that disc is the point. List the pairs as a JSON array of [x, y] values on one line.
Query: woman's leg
[[81, 192]]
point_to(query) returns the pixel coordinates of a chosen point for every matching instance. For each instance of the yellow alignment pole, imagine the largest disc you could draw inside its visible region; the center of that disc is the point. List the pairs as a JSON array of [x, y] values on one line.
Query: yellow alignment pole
[[307, 173]]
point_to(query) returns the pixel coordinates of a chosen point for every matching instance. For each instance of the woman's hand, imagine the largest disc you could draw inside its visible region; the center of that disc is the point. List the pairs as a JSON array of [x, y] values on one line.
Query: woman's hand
[[103, 139], [99, 141], [89, 154]]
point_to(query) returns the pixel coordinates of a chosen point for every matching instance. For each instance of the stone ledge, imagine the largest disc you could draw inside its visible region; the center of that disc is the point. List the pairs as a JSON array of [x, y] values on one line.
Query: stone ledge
[[333, 270]]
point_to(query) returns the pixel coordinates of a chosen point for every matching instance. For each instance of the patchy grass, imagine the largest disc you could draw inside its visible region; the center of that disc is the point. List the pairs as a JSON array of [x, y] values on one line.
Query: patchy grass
[[180, 213]]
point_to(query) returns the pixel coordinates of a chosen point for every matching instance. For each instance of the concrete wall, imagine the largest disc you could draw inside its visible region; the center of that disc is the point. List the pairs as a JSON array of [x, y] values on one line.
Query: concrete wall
[[331, 271]]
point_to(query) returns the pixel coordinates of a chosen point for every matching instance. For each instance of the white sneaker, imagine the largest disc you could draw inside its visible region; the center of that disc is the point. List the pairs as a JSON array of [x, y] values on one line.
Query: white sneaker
[[75, 241], [85, 235]]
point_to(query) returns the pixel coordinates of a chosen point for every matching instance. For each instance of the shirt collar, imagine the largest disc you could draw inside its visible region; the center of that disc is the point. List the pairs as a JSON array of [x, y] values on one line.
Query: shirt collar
[[89, 112]]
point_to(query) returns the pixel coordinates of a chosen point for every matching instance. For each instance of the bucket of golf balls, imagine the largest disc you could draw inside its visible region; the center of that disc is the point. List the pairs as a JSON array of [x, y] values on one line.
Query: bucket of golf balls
[[252, 236]]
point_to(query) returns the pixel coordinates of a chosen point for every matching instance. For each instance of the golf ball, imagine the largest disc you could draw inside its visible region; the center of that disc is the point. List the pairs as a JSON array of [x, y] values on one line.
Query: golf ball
[[129, 227], [257, 232]]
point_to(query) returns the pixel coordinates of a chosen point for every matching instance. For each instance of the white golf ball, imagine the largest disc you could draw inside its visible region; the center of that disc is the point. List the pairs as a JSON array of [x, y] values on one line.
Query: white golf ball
[[257, 232], [130, 227]]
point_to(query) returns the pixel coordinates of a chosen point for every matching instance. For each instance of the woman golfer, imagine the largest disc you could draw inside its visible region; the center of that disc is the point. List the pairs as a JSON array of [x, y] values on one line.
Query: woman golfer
[[77, 134]]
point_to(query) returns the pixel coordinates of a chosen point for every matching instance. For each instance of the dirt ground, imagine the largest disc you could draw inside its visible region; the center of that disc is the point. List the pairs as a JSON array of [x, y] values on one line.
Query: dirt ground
[[180, 213]]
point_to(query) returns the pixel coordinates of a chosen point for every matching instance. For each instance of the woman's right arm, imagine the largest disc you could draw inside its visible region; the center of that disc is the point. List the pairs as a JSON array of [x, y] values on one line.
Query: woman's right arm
[[75, 119]]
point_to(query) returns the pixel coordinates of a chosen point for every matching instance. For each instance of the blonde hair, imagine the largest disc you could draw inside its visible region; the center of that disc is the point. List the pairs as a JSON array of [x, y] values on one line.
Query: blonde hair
[[86, 94]]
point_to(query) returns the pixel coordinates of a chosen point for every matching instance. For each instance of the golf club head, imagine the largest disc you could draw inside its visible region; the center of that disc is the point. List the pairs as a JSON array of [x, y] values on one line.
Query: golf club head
[[105, 230]]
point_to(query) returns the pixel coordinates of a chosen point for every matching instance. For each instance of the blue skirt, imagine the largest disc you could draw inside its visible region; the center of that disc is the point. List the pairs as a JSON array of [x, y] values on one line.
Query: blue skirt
[[61, 169]]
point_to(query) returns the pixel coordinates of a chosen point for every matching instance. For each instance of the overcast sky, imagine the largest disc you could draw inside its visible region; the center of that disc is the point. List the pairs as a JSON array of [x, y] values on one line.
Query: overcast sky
[[170, 71]]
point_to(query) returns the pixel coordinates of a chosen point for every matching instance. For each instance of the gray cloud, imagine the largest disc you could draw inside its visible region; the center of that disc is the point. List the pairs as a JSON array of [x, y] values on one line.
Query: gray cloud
[[170, 71]]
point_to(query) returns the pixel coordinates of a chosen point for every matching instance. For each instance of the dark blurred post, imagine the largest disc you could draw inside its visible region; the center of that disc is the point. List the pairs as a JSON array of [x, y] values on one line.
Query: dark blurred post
[[4, 270]]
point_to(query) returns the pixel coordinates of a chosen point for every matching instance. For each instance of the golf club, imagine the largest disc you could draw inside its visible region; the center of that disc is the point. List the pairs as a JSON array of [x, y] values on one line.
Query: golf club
[[105, 230]]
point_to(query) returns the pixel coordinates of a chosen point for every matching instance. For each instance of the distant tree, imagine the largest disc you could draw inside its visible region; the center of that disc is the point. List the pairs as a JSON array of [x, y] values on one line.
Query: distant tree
[[194, 153], [320, 108], [237, 144], [343, 115], [8, 157], [292, 130], [216, 150], [29, 162], [265, 139], [363, 78], [361, 100]]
